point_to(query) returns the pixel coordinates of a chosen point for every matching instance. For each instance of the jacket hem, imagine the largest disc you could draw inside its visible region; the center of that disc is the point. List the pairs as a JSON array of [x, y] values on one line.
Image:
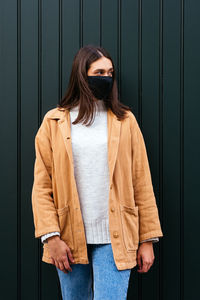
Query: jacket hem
[[120, 267], [125, 266], [78, 261]]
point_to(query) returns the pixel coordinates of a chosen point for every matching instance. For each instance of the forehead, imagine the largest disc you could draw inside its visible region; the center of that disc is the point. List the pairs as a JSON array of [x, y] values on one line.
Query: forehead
[[101, 63]]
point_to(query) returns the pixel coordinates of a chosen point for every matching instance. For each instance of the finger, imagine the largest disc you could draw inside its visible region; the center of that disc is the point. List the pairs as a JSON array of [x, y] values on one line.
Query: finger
[[145, 264], [150, 265], [139, 261], [144, 267], [53, 261], [61, 267], [66, 264], [69, 254], [56, 263]]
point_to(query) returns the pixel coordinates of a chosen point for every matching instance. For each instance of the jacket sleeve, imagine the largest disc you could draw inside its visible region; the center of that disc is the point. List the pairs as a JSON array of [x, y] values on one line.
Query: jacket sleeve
[[149, 223], [44, 211]]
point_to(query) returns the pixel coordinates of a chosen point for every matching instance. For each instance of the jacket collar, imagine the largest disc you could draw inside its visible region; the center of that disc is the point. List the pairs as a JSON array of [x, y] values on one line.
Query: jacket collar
[[114, 126]]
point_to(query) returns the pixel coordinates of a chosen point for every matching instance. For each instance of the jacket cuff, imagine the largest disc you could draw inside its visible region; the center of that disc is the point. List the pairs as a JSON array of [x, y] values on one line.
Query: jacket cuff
[[154, 240], [150, 234]]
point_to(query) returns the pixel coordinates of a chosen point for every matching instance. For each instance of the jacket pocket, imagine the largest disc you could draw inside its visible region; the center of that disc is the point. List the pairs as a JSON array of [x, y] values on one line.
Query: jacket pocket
[[130, 226], [65, 226]]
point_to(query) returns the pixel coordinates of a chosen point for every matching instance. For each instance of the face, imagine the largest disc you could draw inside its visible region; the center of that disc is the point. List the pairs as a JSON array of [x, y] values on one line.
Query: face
[[101, 67]]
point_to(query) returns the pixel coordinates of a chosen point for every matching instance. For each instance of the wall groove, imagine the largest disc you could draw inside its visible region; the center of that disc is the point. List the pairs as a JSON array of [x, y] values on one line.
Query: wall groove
[[19, 149], [182, 296], [161, 99]]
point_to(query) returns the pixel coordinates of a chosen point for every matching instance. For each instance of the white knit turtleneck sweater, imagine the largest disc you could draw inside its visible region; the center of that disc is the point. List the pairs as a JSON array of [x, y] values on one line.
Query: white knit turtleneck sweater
[[89, 147]]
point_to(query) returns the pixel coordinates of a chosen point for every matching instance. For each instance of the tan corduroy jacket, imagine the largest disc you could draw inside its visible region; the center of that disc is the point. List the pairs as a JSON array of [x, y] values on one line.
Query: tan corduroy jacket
[[133, 213]]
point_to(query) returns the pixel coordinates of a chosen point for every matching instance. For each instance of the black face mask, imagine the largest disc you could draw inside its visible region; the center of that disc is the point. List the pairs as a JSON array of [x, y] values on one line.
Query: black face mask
[[101, 86]]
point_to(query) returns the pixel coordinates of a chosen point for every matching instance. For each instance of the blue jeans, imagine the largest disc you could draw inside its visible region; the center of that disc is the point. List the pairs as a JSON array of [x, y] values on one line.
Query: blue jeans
[[98, 280]]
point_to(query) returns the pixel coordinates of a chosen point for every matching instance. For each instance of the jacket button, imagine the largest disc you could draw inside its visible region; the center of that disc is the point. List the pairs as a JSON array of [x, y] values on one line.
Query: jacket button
[[111, 186], [115, 234], [68, 137], [112, 209]]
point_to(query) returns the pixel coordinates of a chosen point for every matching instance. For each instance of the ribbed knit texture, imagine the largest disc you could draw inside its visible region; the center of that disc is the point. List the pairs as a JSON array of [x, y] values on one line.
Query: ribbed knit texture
[[89, 146]]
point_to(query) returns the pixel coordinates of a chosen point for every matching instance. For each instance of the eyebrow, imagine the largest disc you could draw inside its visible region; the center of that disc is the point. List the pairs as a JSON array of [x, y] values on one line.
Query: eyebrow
[[103, 69]]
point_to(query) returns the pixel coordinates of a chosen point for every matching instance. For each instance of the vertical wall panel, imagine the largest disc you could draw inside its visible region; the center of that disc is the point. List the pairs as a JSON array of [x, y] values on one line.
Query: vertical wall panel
[[171, 258], [90, 21], [130, 69], [191, 152], [49, 69], [30, 260], [10, 139], [149, 118], [109, 28], [155, 48], [70, 39], [130, 53]]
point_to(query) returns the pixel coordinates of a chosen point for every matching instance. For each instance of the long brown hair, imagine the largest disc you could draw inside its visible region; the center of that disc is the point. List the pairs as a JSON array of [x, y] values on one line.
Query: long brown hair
[[79, 93]]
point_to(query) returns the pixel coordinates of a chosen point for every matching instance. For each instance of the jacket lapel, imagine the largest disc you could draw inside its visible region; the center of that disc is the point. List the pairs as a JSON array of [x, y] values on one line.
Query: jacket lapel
[[113, 126]]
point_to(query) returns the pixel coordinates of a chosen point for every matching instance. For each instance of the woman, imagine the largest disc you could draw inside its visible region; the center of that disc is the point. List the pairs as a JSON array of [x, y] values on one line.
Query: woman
[[93, 202]]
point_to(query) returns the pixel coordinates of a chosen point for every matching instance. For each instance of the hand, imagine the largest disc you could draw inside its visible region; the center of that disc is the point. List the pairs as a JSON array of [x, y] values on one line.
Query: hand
[[58, 251], [145, 257]]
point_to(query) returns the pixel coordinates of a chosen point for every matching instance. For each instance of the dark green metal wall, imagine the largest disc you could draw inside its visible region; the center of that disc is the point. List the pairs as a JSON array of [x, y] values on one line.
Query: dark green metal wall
[[156, 49]]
